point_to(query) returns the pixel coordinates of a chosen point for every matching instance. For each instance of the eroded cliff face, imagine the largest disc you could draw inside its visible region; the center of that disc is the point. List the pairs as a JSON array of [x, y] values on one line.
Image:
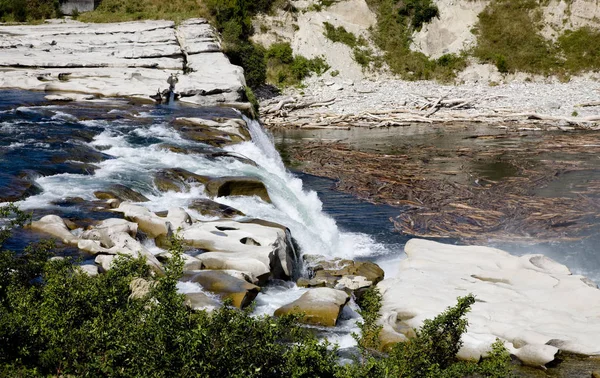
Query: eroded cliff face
[[451, 32]]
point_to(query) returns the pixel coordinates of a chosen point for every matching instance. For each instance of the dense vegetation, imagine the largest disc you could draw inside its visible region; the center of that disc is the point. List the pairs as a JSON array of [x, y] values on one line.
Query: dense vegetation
[[508, 35], [55, 320], [285, 69], [28, 10], [396, 23]]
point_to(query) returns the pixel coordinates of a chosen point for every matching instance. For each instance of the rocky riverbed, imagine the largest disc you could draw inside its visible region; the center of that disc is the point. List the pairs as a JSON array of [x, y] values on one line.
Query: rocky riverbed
[[107, 178]]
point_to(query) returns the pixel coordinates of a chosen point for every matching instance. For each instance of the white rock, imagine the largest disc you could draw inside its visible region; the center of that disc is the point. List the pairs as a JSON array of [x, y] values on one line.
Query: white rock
[[147, 221], [536, 355], [89, 269], [526, 301], [55, 226], [228, 247], [121, 59]]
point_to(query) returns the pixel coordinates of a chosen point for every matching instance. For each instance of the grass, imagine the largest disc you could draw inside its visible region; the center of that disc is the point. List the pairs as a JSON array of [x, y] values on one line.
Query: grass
[[132, 10], [580, 49]]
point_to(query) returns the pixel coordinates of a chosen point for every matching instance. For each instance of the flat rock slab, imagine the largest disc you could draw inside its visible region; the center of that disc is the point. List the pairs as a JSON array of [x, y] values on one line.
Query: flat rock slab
[[126, 59], [531, 302], [319, 306]]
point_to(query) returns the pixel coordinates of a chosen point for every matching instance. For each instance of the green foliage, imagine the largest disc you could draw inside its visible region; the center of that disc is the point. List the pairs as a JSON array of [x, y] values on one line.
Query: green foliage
[[285, 69], [57, 321], [68, 323], [396, 22], [131, 10], [419, 12], [28, 10], [581, 49], [431, 353], [340, 34], [508, 35], [251, 98]]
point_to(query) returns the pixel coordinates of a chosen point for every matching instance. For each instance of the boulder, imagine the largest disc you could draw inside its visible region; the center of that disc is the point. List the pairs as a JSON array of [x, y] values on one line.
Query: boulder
[[192, 128], [15, 189], [235, 128], [260, 251], [55, 226], [342, 274], [177, 180], [105, 261], [148, 222], [237, 186], [536, 355], [319, 306], [121, 193], [225, 286], [199, 301], [532, 303], [210, 208], [89, 269]]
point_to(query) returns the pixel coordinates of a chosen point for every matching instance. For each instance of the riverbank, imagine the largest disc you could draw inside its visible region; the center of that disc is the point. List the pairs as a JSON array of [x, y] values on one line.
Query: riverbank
[[331, 102]]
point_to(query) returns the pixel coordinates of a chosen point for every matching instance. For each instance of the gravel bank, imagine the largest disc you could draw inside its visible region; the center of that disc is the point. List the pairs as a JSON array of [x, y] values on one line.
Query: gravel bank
[[551, 98]]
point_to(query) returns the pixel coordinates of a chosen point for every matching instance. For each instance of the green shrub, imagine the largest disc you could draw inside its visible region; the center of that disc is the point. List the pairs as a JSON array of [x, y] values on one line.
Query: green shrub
[[28, 10], [431, 353], [340, 34], [419, 12], [581, 49], [396, 22], [285, 69], [508, 36], [57, 321]]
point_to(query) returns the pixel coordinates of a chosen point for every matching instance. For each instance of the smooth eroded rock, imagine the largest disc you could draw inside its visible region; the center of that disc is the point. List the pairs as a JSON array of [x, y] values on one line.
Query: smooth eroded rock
[[531, 302], [177, 180], [224, 285], [120, 192], [237, 186], [320, 306], [211, 208]]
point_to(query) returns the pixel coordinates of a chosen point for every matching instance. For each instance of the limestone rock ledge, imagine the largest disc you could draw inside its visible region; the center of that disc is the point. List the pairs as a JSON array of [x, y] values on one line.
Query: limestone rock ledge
[[127, 59], [532, 303]]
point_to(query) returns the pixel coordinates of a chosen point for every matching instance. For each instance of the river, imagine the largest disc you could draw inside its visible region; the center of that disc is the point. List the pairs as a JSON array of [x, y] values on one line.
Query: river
[[67, 151]]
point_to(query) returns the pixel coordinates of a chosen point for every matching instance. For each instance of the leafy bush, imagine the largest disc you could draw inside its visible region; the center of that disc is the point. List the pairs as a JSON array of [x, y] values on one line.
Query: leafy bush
[[581, 49], [67, 323], [419, 12], [508, 36], [131, 10], [56, 320], [431, 353], [340, 34], [28, 10], [396, 22], [285, 69]]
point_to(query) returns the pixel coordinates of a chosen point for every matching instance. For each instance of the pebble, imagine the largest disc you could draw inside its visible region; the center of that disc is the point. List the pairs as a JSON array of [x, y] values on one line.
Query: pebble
[[551, 97]]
